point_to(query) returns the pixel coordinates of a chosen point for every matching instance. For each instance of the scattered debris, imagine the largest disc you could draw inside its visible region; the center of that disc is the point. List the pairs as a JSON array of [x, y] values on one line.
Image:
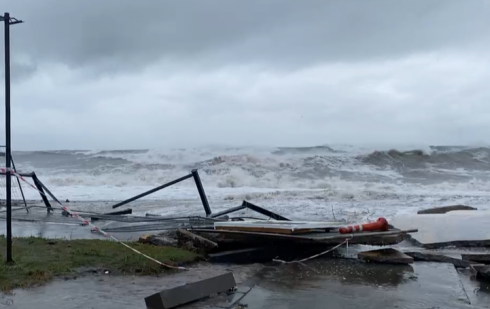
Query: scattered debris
[[158, 240], [387, 256], [428, 257], [478, 258], [193, 241], [189, 292], [444, 209], [390, 237], [225, 212], [113, 213]]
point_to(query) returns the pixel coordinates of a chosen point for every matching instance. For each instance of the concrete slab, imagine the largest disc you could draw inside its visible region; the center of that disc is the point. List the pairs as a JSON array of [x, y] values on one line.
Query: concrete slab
[[429, 257], [344, 284], [190, 292], [479, 258], [387, 256], [459, 228]]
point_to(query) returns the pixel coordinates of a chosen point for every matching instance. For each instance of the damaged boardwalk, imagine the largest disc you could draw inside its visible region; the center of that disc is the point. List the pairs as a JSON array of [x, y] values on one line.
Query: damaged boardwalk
[[313, 268]]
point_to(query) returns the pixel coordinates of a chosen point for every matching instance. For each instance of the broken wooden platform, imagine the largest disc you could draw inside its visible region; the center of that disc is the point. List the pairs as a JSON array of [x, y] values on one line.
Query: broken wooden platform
[[390, 237], [277, 227]]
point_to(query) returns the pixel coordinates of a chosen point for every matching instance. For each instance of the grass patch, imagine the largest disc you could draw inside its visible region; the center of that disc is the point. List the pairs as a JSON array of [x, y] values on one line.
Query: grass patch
[[38, 260]]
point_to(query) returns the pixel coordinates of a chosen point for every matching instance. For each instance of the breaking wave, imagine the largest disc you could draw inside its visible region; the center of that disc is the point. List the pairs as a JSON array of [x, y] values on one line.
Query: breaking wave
[[345, 172]]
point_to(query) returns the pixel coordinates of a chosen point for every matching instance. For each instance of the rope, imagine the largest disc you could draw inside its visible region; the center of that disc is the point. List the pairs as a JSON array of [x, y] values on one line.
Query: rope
[[94, 227], [314, 256]]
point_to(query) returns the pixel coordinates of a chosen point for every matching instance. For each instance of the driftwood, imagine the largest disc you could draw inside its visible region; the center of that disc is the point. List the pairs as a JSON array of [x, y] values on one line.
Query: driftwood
[[191, 241], [444, 209], [419, 256]]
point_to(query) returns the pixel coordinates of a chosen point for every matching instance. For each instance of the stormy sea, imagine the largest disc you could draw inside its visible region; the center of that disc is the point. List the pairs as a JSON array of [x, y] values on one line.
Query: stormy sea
[[322, 182]]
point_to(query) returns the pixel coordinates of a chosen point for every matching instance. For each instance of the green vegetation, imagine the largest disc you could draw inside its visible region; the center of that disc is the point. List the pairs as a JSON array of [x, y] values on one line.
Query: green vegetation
[[39, 260]]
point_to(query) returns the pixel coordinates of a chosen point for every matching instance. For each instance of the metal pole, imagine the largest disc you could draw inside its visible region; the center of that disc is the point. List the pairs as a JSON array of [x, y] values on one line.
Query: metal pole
[[20, 186], [202, 194], [6, 20], [168, 184]]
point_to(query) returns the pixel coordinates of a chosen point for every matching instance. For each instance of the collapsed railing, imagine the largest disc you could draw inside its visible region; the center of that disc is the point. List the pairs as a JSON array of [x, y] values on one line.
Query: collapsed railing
[[19, 186], [119, 215], [168, 222], [43, 190], [200, 189]]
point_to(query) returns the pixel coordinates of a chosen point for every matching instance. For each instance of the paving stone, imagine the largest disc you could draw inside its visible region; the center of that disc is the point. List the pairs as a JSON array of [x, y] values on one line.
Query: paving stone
[[180, 295]]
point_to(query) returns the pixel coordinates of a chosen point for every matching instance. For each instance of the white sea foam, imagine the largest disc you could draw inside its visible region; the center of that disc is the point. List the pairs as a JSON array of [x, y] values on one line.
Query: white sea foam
[[296, 181]]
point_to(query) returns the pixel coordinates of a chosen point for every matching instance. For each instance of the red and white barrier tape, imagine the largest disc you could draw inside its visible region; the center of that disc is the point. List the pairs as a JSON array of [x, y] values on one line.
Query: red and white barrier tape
[[94, 227]]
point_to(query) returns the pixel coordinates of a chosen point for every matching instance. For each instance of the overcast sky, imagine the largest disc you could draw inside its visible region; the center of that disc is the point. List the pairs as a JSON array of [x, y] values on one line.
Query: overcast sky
[[154, 74]]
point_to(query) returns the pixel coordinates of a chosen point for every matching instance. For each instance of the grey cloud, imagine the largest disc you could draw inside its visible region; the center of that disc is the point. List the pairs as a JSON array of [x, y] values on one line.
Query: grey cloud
[[19, 71], [113, 36], [142, 74]]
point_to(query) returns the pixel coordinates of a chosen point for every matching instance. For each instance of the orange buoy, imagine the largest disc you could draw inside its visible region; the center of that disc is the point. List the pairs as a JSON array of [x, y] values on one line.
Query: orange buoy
[[380, 225]]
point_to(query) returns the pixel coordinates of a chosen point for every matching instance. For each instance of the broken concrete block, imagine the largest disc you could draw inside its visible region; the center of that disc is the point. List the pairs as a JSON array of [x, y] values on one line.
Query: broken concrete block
[[428, 257], [478, 258], [482, 271], [185, 237], [388, 256], [444, 209], [190, 292]]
